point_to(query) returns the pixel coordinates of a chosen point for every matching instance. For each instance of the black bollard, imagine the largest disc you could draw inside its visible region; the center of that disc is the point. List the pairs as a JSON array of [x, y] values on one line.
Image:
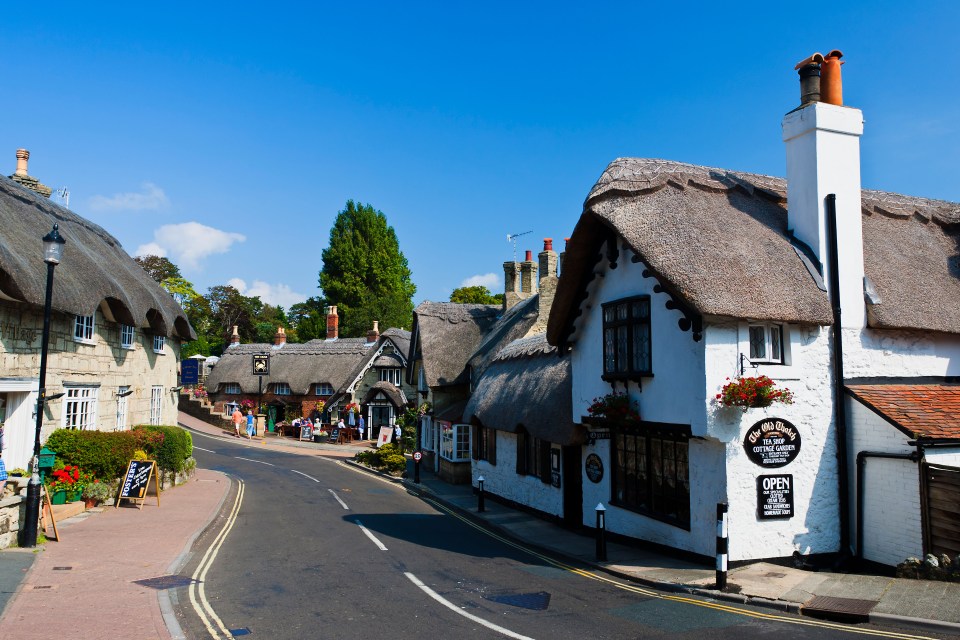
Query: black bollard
[[480, 507], [601, 533], [721, 546]]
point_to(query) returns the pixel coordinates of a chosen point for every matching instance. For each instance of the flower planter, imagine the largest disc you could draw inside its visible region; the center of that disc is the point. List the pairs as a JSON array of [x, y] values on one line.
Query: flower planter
[[74, 496], [58, 497], [90, 503]]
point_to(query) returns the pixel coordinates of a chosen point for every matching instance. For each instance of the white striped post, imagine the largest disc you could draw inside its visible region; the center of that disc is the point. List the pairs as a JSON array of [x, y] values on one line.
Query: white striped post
[[722, 546]]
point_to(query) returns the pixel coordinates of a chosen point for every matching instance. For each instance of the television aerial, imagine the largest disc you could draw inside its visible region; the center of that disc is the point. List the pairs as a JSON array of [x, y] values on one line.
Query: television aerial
[[64, 196], [512, 237]]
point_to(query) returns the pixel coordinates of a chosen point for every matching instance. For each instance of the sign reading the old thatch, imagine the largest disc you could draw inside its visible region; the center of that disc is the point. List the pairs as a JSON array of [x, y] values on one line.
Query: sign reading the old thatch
[[772, 443]]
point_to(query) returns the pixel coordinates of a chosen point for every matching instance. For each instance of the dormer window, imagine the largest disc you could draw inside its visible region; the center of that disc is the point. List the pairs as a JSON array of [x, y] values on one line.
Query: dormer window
[[324, 389], [626, 339], [158, 342], [766, 343], [126, 336], [281, 389], [83, 329], [390, 374], [232, 388], [422, 380]]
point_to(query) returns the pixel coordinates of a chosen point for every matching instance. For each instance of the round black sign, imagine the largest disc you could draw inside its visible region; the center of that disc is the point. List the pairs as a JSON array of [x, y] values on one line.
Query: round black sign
[[772, 443], [594, 468]]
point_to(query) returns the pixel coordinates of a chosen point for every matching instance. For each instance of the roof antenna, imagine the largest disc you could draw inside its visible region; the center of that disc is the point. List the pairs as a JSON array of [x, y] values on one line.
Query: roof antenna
[[512, 237], [64, 196]]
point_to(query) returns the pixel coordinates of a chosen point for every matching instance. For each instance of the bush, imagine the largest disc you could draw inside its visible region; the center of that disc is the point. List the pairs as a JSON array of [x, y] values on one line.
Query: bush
[[387, 458], [169, 446], [106, 454]]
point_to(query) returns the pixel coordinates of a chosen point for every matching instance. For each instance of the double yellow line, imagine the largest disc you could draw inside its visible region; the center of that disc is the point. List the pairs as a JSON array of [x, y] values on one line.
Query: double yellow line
[[198, 597], [625, 586]]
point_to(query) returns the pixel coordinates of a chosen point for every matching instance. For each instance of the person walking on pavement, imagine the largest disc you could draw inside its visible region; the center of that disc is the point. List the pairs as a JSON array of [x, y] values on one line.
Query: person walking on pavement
[[237, 418], [249, 424], [361, 427], [397, 432]]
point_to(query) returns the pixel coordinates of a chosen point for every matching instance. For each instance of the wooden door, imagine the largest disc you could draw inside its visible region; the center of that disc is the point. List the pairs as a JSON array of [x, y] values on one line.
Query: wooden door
[[943, 510]]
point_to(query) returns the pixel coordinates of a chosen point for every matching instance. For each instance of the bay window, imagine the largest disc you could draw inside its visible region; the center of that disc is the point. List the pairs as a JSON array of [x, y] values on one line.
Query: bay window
[[651, 473]]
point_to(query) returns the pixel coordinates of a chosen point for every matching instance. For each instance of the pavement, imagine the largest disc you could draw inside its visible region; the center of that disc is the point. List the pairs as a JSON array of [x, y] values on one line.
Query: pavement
[[84, 586]]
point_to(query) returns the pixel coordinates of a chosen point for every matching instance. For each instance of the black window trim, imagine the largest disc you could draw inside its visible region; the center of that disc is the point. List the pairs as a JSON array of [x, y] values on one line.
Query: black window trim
[[630, 374]]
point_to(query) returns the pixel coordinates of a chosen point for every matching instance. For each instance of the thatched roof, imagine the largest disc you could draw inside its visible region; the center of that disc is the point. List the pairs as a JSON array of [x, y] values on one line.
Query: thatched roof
[[94, 269], [299, 365], [527, 385], [513, 325], [392, 394], [400, 339], [716, 240], [446, 334]]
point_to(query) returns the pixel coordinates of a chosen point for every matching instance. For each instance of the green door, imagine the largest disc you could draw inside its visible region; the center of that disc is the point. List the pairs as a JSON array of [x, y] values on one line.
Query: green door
[[271, 417]]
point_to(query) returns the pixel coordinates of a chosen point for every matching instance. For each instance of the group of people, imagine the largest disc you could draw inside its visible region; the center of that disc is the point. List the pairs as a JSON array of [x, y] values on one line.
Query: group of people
[[237, 419]]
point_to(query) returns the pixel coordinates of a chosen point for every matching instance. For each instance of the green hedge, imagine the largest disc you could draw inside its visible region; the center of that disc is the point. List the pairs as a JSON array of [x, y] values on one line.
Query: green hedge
[[106, 454]]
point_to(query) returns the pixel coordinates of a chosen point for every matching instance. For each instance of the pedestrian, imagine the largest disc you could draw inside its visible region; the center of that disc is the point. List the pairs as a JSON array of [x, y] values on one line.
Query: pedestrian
[[3, 474], [397, 432], [250, 427], [361, 427], [237, 418]]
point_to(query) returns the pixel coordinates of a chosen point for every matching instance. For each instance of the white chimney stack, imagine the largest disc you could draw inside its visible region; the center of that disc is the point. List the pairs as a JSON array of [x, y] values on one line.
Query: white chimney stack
[[823, 157]]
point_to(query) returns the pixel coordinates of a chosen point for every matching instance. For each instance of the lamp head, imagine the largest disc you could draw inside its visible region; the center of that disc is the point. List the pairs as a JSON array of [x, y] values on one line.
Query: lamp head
[[53, 246]]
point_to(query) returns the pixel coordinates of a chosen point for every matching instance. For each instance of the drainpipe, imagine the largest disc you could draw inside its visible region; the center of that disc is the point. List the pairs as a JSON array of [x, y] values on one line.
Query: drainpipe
[[913, 456], [833, 265]]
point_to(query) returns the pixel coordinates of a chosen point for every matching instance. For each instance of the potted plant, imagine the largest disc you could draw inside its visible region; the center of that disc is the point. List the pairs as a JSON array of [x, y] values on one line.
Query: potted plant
[[616, 407], [96, 492], [66, 485], [748, 393]]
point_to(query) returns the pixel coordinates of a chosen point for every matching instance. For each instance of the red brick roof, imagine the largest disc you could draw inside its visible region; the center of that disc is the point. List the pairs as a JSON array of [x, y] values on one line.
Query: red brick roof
[[923, 410]]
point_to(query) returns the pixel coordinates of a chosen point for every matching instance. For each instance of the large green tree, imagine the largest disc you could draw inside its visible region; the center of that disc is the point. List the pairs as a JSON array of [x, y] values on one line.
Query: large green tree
[[364, 272], [475, 295], [158, 267], [308, 319]]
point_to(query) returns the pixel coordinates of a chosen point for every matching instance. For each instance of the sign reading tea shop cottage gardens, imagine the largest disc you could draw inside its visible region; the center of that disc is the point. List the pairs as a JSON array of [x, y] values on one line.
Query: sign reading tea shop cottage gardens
[[772, 443]]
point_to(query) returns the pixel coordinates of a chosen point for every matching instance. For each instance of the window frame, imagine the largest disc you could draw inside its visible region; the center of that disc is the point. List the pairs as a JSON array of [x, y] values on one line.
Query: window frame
[[630, 372], [128, 336], [232, 388], [322, 389], [122, 408], [484, 445], [83, 328], [454, 441], [156, 404], [83, 402], [159, 342], [389, 374], [428, 432], [648, 501], [770, 329], [282, 389]]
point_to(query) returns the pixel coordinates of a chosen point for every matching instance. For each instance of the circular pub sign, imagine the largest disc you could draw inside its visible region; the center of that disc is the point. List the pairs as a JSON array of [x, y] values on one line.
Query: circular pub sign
[[772, 443], [594, 468]]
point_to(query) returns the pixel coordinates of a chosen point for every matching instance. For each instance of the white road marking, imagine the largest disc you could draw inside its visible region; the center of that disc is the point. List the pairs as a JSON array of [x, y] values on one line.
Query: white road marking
[[202, 449], [342, 503], [257, 461], [304, 475], [198, 595], [449, 605], [371, 536]]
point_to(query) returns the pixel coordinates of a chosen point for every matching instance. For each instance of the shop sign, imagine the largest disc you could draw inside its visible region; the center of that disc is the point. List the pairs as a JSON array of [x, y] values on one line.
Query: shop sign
[[594, 468], [772, 443], [775, 497], [593, 436]]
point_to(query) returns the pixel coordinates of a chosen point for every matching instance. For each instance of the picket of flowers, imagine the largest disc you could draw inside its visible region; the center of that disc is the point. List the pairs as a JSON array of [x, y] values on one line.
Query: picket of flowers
[[353, 407], [321, 405], [748, 393], [615, 406], [247, 403], [66, 484]]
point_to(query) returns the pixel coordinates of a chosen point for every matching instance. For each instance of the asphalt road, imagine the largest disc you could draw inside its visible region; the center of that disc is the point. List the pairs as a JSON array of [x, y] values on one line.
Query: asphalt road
[[315, 549]]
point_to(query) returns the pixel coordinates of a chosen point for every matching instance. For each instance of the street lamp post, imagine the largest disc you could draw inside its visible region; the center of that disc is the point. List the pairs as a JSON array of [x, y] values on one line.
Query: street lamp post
[[52, 252]]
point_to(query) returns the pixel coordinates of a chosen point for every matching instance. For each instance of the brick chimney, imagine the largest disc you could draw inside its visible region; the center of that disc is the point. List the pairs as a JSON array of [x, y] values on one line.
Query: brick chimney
[[511, 284], [528, 275], [235, 338], [374, 334], [823, 157], [548, 285], [21, 175], [333, 323], [280, 337]]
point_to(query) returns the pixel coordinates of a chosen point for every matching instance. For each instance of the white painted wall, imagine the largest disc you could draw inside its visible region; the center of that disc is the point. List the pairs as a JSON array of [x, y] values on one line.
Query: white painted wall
[[502, 479], [947, 456], [906, 354]]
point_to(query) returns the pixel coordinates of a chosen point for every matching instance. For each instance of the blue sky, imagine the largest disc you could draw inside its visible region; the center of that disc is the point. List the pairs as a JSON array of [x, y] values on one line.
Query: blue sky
[[228, 136]]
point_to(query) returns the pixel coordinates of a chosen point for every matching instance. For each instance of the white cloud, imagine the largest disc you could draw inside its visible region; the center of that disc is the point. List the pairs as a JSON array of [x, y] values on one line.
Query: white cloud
[[151, 198], [150, 249], [491, 281], [188, 243], [275, 294]]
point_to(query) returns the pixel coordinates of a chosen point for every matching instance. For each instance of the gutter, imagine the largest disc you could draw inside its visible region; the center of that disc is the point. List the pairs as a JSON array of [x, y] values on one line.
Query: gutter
[[913, 456]]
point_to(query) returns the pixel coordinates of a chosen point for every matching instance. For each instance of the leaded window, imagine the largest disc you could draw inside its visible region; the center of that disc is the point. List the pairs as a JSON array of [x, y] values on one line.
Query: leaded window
[[766, 343], [626, 339], [651, 472]]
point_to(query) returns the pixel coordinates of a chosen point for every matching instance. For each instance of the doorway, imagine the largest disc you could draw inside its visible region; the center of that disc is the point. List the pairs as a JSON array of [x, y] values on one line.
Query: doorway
[[379, 417]]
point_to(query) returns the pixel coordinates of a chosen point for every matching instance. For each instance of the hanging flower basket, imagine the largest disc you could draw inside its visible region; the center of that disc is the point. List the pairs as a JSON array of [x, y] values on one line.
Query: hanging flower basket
[[748, 393], [615, 407]]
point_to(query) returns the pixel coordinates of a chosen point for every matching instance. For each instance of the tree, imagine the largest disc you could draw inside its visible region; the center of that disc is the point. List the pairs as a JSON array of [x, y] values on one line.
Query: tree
[[364, 272], [475, 295], [159, 268], [180, 288], [228, 307], [309, 319]]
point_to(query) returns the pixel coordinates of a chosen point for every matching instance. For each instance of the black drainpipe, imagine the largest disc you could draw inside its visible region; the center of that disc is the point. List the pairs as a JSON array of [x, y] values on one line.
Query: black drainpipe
[[842, 475], [913, 456]]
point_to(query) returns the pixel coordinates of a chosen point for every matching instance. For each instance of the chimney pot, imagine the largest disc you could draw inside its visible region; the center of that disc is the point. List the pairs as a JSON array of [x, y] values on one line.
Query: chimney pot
[[831, 86], [333, 323], [529, 256], [548, 244], [22, 156], [280, 337], [809, 83], [235, 338], [374, 334]]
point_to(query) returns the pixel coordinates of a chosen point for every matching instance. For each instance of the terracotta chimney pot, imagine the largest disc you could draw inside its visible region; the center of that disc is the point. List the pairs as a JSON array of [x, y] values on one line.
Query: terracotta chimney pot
[[831, 86], [22, 156]]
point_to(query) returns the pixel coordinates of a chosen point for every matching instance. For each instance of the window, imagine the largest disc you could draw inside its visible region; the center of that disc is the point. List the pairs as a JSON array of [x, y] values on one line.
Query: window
[[324, 389], [281, 388], [232, 388], [428, 434], [122, 394], [485, 444], [156, 405], [626, 339], [158, 342], [651, 473], [83, 329], [533, 456], [422, 380], [454, 441], [390, 375], [80, 407], [766, 343], [126, 336]]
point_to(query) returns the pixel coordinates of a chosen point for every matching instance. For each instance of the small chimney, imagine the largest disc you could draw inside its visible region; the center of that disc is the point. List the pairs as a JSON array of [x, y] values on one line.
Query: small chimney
[[548, 285], [823, 157], [563, 254], [280, 337], [374, 334], [528, 275], [21, 176], [235, 338], [511, 284], [333, 323]]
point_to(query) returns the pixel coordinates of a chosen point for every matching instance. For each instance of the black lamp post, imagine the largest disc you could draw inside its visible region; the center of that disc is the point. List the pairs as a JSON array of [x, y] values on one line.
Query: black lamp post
[[52, 252]]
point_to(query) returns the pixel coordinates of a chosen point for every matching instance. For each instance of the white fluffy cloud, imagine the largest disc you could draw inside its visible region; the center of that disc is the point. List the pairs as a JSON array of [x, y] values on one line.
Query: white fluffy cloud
[[188, 243], [275, 294], [151, 198], [491, 281]]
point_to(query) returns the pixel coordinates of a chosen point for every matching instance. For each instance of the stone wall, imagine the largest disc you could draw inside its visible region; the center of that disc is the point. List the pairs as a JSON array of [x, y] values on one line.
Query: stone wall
[[12, 506]]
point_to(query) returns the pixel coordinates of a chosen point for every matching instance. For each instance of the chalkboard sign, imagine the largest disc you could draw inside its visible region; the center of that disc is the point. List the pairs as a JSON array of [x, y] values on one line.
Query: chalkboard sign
[[136, 482], [306, 431], [334, 436], [775, 497]]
